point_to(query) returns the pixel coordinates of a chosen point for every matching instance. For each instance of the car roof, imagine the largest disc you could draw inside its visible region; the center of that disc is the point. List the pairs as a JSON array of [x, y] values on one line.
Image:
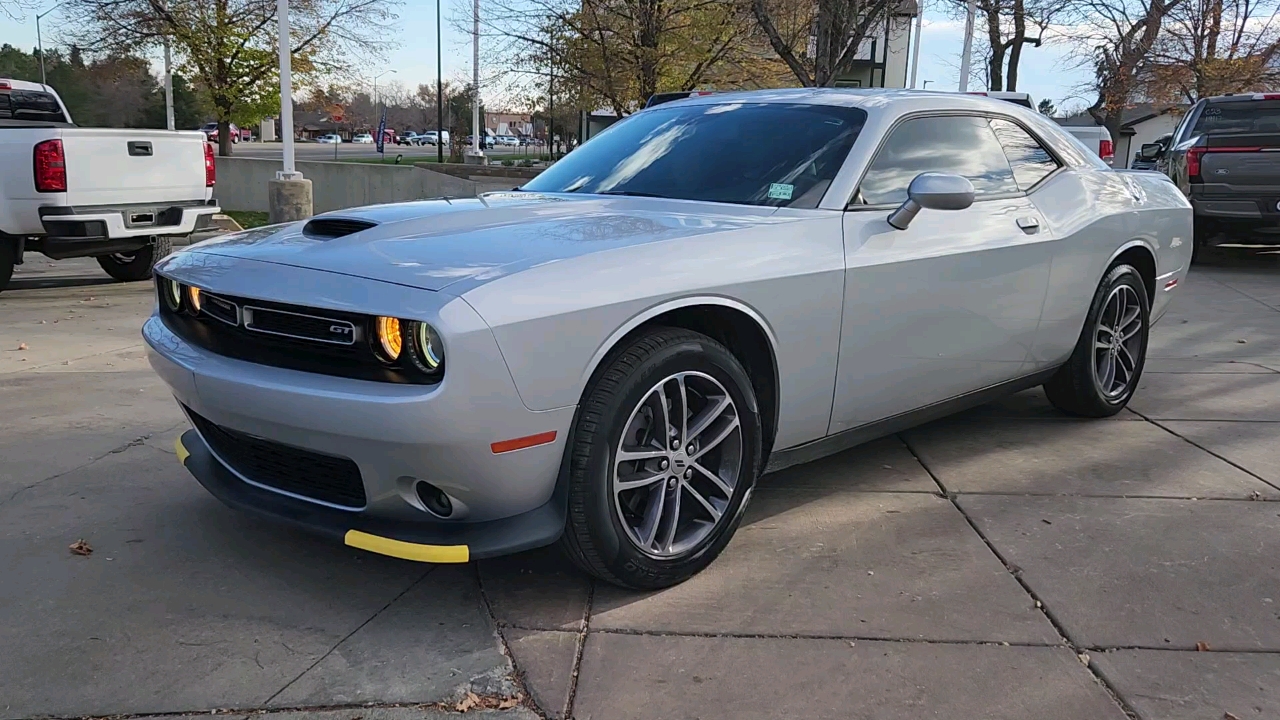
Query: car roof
[[869, 99], [1242, 97]]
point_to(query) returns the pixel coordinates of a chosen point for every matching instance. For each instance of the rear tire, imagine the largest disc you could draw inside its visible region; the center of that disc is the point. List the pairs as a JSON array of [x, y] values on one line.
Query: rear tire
[[655, 521], [129, 267], [8, 258], [1104, 370]]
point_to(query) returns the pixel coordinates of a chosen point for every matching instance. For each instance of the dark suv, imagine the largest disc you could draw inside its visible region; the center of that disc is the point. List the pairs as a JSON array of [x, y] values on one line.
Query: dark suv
[[1225, 155]]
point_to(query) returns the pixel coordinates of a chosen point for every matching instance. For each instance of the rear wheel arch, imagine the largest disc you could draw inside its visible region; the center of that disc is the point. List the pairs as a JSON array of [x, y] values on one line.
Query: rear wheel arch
[[1138, 254], [735, 325]]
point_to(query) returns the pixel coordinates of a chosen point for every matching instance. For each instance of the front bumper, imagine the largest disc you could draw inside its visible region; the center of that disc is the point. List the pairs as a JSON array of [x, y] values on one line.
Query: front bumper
[[420, 542]]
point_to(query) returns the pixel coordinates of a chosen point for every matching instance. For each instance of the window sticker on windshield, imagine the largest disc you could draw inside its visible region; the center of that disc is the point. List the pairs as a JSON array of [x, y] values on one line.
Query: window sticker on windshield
[[780, 191]]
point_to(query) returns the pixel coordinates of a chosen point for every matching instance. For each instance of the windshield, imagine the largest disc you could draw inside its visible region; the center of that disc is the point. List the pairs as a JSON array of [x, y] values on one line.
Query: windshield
[[775, 154], [1256, 116]]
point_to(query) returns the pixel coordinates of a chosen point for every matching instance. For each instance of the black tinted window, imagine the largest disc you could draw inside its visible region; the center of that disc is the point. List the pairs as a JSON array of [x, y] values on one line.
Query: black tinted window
[[30, 105], [1255, 116], [963, 146], [1028, 158], [750, 153]]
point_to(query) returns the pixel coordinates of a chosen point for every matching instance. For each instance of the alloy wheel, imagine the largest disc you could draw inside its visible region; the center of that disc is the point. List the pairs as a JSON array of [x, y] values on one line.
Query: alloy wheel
[[1117, 342], [677, 465]]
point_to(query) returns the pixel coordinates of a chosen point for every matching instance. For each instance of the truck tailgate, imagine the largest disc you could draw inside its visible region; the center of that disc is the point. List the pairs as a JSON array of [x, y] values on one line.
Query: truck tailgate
[[123, 167], [1241, 164]]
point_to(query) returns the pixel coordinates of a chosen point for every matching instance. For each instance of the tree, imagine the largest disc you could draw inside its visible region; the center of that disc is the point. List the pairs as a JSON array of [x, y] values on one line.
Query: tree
[[228, 47], [1045, 107], [1213, 47], [1119, 37], [620, 52], [819, 40]]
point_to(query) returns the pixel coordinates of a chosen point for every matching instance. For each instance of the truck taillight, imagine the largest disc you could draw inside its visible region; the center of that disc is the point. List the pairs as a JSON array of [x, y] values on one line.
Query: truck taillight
[[1106, 150], [210, 168], [1193, 161], [50, 167], [1195, 153]]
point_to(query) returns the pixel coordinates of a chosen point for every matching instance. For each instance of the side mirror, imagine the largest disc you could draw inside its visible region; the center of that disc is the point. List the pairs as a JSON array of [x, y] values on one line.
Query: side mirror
[[934, 191], [1150, 151]]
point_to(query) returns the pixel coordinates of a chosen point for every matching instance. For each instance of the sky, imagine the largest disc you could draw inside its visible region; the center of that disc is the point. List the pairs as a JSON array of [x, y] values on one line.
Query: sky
[[1044, 72]]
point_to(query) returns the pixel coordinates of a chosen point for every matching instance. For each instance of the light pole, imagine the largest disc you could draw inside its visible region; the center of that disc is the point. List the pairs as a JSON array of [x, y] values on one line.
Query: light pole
[[439, 92], [925, 85], [288, 172], [968, 46], [168, 75], [40, 41], [476, 153], [375, 87], [915, 52]]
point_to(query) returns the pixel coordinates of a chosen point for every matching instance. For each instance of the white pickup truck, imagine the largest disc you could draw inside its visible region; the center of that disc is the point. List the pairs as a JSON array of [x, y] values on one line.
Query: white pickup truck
[[120, 196]]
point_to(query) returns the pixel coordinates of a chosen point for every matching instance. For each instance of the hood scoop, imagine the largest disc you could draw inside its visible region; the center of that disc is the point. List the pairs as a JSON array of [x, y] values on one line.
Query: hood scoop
[[328, 228]]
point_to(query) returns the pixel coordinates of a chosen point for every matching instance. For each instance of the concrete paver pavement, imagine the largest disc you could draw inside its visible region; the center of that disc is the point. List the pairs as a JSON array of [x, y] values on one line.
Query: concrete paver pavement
[[869, 585]]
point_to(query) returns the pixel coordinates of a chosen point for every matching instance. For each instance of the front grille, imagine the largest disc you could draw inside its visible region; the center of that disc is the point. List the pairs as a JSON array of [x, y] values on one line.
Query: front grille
[[327, 478], [328, 342], [301, 327]]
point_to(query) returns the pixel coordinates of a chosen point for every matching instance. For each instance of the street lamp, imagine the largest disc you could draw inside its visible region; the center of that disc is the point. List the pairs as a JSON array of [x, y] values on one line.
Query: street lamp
[[375, 87], [925, 85], [288, 172], [40, 40], [439, 92]]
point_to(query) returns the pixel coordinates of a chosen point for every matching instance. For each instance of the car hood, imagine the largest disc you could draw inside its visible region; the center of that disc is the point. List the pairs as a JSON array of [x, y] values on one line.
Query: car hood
[[459, 244]]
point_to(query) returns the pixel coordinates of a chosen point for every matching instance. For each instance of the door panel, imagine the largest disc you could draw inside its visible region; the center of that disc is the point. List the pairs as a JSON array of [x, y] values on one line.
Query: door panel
[[947, 306]]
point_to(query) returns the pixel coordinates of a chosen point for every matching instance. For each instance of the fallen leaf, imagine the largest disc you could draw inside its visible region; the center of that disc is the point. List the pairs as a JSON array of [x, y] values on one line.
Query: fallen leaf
[[80, 547], [1242, 341], [1229, 716], [1084, 658], [22, 346], [508, 703], [1046, 522], [1255, 495], [468, 702], [1202, 646]]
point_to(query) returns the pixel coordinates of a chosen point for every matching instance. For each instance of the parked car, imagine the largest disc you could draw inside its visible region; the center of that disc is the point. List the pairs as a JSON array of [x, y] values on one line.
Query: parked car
[[210, 129], [409, 138], [330, 139], [363, 138], [120, 196], [508, 141], [1095, 137], [486, 141], [1225, 156], [901, 257]]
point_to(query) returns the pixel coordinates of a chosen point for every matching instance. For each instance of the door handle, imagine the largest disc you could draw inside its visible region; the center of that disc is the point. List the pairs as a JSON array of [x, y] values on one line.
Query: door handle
[[1029, 225]]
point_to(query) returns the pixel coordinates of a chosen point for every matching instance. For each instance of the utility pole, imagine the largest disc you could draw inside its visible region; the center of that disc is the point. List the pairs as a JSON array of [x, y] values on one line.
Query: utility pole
[[168, 76], [288, 172], [551, 115], [968, 46], [439, 91]]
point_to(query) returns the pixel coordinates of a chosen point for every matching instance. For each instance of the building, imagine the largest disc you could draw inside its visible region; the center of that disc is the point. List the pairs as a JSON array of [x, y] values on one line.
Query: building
[[1143, 123], [505, 123], [883, 59]]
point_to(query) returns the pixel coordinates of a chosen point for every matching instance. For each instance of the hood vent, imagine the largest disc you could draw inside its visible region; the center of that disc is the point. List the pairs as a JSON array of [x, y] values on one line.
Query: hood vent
[[335, 227]]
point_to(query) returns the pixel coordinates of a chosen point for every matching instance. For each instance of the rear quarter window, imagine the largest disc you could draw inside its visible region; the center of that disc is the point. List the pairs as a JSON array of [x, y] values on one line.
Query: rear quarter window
[[30, 105]]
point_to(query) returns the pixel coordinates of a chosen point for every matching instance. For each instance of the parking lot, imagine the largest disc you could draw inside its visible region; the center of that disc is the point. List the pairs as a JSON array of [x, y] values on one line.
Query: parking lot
[[355, 151], [1008, 563]]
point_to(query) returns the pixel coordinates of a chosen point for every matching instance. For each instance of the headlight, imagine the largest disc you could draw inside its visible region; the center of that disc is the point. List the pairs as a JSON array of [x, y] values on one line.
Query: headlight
[[193, 299], [171, 294], [429, 351], [389, 338]]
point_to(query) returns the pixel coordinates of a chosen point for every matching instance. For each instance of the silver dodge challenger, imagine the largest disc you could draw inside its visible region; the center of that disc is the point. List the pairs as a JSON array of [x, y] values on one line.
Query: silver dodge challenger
[[609, 356]]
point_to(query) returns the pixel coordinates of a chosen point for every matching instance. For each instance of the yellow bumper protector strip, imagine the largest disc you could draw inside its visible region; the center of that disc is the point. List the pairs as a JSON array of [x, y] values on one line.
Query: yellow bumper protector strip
[[407, 550], [183, 452]]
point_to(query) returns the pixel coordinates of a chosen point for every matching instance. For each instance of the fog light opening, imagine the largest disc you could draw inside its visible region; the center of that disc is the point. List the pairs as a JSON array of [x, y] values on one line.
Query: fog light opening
[[434, 499]]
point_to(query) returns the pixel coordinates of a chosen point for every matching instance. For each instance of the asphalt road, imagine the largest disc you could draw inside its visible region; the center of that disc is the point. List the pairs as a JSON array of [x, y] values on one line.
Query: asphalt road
[[1004, 564]]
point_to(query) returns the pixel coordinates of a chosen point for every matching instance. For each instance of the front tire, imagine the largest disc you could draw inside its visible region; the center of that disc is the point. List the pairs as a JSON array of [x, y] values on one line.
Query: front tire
[[137, 265], [1103, 371], [664, 456]]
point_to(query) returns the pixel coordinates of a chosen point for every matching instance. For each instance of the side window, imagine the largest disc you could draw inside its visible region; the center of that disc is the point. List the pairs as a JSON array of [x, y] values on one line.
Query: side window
[[964, 146], [1028, 158]]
